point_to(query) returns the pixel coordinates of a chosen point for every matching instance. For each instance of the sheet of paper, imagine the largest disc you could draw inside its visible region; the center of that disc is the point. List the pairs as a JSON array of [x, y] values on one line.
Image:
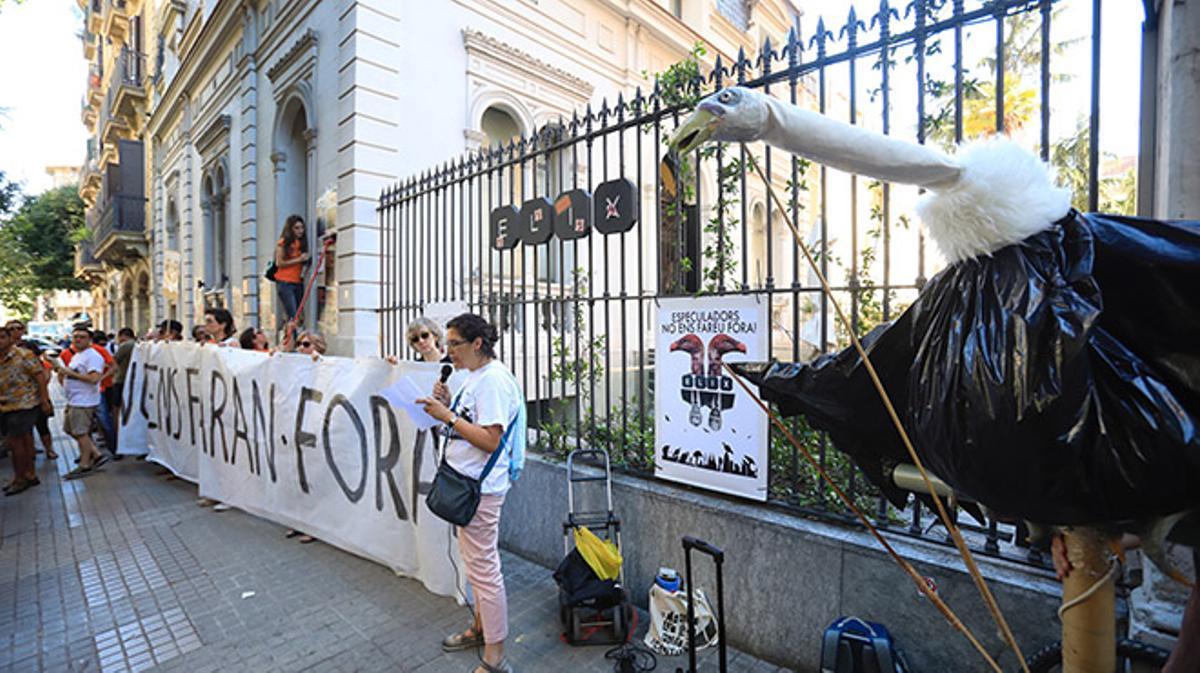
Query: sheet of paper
[[403, 395]]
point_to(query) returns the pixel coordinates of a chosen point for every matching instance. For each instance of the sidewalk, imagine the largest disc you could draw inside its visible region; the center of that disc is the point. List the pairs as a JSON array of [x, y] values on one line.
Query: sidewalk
[[122, 571]]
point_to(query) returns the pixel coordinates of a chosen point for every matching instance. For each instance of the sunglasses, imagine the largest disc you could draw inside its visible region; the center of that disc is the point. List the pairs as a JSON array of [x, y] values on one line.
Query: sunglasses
[[306, 344], [417, 337]]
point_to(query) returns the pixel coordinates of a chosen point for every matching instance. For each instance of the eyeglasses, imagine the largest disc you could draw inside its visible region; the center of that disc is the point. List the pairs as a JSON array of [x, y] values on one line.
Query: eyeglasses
[[455, 343], [417, 337], [306, 344]]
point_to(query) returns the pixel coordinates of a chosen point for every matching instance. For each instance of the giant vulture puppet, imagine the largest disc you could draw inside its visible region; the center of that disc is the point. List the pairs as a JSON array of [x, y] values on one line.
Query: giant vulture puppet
[[1051, 372]]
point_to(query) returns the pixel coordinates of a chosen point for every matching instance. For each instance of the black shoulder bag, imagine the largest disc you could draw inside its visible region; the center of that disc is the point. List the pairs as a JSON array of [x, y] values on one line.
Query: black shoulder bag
[[454, 496]]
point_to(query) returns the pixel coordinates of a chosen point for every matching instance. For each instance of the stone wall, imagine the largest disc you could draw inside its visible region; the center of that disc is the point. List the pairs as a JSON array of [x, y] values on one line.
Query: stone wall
[[787, 578]]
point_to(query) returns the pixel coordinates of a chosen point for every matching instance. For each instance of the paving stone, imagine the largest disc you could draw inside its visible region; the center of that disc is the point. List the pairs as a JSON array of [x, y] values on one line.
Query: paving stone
[[123, 572]]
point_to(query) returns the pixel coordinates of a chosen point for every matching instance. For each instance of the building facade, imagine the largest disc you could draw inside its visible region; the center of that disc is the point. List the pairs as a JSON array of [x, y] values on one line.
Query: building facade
[[223, 118], [114, 261]]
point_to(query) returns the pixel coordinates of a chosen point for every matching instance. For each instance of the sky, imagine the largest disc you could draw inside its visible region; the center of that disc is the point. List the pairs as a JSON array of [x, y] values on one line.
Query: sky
[[40, 92], [41, 86]]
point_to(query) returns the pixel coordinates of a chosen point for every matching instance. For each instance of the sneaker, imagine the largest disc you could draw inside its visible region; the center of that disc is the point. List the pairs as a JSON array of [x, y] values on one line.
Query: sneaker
[[221, 507]]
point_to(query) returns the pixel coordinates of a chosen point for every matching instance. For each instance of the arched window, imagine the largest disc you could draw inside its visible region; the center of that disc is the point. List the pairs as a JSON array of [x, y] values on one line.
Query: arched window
[[499, 129], [757, 259], [499, 126], [214, 202]]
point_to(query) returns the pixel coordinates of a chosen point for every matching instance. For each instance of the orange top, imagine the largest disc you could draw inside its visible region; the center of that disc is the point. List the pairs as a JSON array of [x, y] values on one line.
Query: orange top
[[289, 274]]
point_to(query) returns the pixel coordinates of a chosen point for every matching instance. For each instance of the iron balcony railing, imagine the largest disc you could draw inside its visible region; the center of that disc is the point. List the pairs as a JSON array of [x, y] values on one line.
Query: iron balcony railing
[[124, 213], [131, 65]]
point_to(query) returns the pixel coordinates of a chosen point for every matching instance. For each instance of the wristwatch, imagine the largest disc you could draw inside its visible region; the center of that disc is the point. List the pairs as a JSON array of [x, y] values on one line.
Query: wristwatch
[[453, 419]]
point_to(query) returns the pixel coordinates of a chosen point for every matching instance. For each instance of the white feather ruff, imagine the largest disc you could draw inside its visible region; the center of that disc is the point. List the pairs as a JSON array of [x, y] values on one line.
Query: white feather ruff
[[1004, 195]]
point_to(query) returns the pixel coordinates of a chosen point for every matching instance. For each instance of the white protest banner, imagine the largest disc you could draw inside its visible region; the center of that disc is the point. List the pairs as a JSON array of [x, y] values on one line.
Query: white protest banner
[[307, 443], [707, 431]]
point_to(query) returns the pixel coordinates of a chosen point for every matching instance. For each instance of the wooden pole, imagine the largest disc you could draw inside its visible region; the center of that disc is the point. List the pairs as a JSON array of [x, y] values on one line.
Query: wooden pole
[[1089, 631]]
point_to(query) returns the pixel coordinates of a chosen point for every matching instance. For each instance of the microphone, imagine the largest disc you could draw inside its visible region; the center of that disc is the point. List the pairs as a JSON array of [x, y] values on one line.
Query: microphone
[[446, 371]]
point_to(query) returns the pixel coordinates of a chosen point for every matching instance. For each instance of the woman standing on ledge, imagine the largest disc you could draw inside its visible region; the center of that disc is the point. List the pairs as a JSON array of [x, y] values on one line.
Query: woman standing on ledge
[[290, 255], [486, 415]]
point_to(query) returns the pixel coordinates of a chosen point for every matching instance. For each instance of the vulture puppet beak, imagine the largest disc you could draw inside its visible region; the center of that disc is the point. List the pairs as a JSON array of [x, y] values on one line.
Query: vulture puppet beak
[[696, 129]]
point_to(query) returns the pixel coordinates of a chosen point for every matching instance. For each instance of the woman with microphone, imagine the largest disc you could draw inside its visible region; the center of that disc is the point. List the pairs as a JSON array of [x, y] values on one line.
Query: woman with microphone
[[488, 408]]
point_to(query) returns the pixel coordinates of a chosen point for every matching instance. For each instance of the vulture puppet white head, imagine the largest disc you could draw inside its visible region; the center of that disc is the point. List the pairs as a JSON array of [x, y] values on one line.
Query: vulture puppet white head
[[991, 194]]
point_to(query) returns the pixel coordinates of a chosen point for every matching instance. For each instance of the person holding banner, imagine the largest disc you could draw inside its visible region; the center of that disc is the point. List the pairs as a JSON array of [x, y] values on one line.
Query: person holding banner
[[218, 323], [312, 344], [426, 338], [488, 409]]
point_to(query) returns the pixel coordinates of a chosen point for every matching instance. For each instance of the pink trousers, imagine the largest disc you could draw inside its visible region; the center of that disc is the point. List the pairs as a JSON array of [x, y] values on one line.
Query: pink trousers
[[478, 546]]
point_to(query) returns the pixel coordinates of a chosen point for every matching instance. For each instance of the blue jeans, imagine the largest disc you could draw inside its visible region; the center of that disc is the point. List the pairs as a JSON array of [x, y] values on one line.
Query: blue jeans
[[104, 416], [290, 295]]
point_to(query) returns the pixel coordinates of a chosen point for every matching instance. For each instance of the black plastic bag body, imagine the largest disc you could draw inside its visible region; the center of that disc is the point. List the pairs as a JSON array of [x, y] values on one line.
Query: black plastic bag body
[[1057, 380]]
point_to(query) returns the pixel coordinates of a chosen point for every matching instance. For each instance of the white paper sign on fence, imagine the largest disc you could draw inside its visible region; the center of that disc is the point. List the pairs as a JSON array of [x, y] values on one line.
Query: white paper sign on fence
[[708, 432], [308, 444]]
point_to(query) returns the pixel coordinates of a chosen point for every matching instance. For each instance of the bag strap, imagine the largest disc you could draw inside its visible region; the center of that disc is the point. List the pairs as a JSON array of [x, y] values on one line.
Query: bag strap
[[500, 447], [496, 454]]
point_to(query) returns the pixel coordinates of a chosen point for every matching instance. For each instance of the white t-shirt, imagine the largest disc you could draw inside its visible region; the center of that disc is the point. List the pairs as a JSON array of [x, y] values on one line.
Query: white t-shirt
[[82, 393], [489, 396]]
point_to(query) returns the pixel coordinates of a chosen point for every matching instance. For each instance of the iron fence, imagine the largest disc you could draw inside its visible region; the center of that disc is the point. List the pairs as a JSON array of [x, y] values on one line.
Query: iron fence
[[575, 313]]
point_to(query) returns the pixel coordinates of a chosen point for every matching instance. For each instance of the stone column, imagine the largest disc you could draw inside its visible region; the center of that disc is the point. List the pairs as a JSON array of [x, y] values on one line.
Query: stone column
[[1172, 64], [248, 93], [1177, 170], [278, 170], [310, 220], [187, 225], [368, 160]]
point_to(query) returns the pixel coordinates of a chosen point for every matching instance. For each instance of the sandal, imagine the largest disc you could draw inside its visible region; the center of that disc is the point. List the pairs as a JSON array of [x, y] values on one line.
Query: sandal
[[18, 486], [502, 667], [306, 539], [464, 640], [51, 455], [292, 532], [78, 472]]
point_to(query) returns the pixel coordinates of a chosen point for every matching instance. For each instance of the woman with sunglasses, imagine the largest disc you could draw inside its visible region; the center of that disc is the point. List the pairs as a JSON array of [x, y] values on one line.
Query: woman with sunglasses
[[313, 344], [425, 337]]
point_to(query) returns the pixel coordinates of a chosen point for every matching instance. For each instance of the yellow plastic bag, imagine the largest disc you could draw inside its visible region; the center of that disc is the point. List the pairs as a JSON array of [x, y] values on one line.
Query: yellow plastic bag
[[601, 555]]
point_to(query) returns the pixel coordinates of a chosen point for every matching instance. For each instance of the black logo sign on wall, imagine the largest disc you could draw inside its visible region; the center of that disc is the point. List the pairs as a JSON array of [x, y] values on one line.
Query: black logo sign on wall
[[616, 206], [614, 210], [573, 215], [505, 227], [537, 221]]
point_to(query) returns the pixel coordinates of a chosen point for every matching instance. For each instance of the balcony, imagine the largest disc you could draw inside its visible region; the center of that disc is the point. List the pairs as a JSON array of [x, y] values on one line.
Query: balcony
[[90, 181], [87, 267], [127, 88], [113, 127], [87, 113], [89, 40], [95, 95], [94, 10], [116, 20], [120, 234]]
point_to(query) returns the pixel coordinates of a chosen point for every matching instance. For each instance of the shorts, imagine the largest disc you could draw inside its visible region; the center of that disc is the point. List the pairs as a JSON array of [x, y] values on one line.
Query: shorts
[[17, 423], [112, 396], [78, 421]]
